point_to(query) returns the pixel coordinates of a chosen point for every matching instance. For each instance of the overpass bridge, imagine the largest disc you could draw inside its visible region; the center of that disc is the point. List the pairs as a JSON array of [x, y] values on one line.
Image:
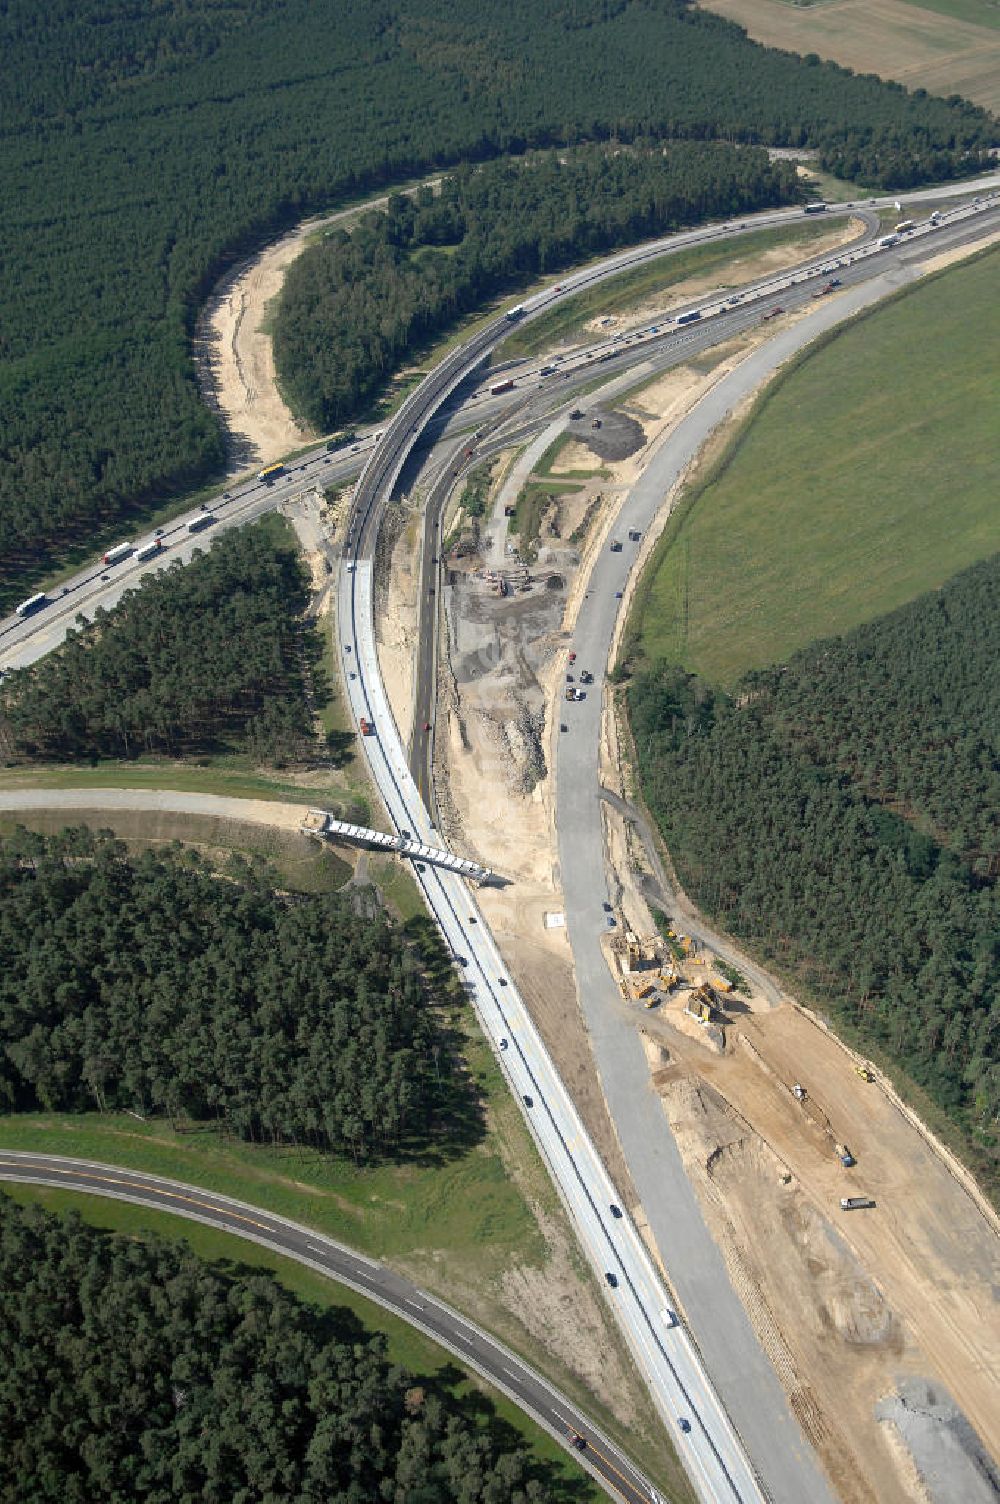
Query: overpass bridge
[[320, 823]]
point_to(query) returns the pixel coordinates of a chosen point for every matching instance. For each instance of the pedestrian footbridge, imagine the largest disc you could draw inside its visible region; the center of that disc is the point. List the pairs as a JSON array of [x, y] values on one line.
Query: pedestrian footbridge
[[319, 823]]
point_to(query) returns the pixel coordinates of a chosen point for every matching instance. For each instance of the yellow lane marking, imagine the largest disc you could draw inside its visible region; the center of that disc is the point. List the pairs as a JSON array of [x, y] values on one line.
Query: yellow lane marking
[[138, 1185], [630, 1492]]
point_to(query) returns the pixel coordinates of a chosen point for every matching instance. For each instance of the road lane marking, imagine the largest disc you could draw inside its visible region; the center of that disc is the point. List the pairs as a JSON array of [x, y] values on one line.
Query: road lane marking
[[632, 1492], [152, 1191]]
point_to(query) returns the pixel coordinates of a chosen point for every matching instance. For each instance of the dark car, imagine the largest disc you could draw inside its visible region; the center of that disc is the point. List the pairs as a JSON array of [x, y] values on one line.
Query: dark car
[[528, 1102], [612, 1279], [606, 907], [684, 1423], [503, 1044], [616, 1211], [580, 1442], [462, 960], [502, 981]]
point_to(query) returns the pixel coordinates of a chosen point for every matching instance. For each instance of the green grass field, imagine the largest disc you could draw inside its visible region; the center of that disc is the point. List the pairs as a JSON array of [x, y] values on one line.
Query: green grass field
[[405, 1345], [620, 294], [868, 474], [457, 1225]]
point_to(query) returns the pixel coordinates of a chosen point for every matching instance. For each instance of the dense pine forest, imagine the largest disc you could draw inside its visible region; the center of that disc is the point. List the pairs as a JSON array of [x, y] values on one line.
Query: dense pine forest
[[212, 656], [146, 147], [134, 1371], [356, 304], [152, 985], [841, 815]]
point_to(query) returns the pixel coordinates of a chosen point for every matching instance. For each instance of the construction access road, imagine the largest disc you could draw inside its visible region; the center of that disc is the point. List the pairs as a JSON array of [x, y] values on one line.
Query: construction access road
[[713, 1452]]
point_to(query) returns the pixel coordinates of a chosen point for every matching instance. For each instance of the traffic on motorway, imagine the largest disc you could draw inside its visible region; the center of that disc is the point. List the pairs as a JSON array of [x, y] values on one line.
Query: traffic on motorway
[[715, 1455], [716, 1459], [105, 579]]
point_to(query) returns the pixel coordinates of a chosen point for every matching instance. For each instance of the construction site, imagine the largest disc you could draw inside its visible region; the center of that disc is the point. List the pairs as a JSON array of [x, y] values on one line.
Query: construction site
[[863, 1255]]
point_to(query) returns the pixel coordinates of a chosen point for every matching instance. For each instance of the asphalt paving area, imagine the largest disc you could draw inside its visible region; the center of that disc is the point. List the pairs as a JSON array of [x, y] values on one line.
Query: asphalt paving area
[[609, 434], [865, 1313]]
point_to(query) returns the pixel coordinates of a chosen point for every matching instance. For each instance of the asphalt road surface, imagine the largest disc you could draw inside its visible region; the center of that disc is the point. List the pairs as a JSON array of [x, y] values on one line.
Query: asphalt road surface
[[733, 1356], [714, 1454], [22, 641], [472, 1347]]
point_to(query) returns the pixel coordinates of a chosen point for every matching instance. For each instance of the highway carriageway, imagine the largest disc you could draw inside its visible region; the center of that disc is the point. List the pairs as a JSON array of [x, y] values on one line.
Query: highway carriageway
[[713, 1453], [695, 1419], [98, 583], [473, 1347]]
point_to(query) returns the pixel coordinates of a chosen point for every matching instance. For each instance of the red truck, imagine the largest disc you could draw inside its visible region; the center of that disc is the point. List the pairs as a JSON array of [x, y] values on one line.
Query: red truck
[[367, 729], [501, 386]]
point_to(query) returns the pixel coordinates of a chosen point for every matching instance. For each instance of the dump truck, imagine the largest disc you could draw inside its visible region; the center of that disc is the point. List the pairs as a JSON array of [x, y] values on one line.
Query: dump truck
[[570, 692], [864, 1073], [799, 1092], [367, 729], [845, 1156], [855, 1203]]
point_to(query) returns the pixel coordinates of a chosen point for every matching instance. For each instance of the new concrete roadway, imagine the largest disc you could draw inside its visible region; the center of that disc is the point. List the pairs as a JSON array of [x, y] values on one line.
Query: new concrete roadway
[[714, 1454], [473, 1347], [717, 1456]]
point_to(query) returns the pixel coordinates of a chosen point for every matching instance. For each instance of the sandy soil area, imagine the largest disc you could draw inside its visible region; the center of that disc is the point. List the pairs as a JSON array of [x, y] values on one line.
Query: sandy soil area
[[740, 270], [847, 1303], [894, 38], [396, 623], [233, 352]]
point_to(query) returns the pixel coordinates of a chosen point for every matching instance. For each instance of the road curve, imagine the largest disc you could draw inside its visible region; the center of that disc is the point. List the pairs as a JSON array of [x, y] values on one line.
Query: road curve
[[715, 1456], [473, 1347]]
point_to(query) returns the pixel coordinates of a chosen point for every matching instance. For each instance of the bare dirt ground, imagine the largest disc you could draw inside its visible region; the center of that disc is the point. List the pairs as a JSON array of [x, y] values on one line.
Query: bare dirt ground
[[740, 270], [397, 582], [916, 47], [848, 1304], [233, 352]]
